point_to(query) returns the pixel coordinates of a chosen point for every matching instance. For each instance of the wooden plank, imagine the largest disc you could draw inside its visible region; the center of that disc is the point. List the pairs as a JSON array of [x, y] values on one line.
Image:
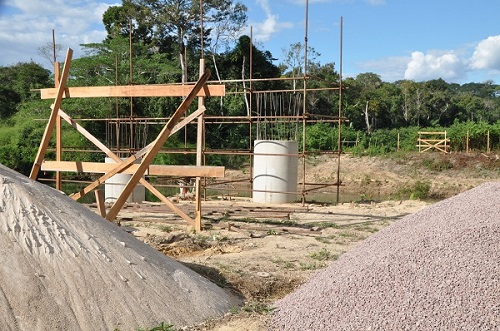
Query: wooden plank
[[433, 140], [133, 91], [103, 147], [44, 144], [57, 77], [154, 169], [166, 201], [127, 162], [101, 207], [158, 143], [423, 132]]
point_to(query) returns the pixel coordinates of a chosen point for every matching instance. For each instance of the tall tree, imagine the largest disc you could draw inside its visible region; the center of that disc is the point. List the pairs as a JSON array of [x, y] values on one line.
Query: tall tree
[[23, 77], [180, 21], [368, 84]]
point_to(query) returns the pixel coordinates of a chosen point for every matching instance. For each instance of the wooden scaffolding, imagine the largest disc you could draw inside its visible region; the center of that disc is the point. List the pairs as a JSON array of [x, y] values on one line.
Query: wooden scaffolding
[[145, 155]]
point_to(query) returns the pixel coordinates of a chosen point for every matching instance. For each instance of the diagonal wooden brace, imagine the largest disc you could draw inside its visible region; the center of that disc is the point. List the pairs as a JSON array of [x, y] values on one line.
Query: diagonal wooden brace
[[44, 144], [157, 144]]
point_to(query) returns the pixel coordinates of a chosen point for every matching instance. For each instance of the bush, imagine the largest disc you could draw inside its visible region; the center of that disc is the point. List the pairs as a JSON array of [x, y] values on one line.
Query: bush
[[416, 191]]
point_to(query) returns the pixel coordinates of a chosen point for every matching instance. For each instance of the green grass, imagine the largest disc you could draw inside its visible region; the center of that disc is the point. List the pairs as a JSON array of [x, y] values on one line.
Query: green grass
[[322, 255], [284, 264], [254, 307], [165, 228], [312, 266]]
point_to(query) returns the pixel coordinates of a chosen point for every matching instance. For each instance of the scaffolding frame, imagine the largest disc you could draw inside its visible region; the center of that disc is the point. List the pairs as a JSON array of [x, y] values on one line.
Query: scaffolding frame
[[199, 89]]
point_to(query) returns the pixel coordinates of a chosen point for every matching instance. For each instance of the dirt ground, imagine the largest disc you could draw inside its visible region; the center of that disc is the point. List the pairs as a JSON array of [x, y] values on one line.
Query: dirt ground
[[263, 251]]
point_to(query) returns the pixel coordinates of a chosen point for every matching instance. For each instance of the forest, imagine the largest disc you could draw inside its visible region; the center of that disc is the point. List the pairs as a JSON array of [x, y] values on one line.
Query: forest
[[161, 42]]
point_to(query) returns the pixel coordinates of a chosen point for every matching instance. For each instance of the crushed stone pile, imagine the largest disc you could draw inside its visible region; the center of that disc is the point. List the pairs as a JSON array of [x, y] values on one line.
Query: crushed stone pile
[[63, 267], [437, 269]]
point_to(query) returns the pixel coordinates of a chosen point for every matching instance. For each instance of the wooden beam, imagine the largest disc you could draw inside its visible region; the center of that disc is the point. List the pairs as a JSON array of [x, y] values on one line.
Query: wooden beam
[[133, 91], [157, 144], [113, 156], [101, 206], [57, 76], [120, 167], [103, 147], [153, 170], [44, 144], [170, 204]]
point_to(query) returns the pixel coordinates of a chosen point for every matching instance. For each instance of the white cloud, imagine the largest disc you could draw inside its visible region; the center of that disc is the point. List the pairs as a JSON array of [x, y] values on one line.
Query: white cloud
[[26, 25], [270, 26], [487, 54], [390, 69], [435, 64]]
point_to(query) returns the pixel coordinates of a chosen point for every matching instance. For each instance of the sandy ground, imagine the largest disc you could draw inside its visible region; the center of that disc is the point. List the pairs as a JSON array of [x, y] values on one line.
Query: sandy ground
[[263, 252]]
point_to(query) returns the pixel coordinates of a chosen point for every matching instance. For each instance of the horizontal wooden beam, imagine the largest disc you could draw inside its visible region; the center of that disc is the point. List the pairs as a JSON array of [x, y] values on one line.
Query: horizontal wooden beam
[[424, 132], [153, 170], [134, 91]]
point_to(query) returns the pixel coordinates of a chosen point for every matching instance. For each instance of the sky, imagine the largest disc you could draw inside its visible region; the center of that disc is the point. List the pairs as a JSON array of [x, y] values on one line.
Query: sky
[[458, 41]]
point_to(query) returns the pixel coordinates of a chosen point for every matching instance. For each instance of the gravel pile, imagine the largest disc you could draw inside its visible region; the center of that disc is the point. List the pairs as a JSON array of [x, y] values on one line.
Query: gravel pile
[[437, 269], [63, 267]]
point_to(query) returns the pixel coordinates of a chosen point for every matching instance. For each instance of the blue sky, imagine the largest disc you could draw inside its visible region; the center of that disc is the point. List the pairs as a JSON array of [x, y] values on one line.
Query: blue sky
[[458, 41]]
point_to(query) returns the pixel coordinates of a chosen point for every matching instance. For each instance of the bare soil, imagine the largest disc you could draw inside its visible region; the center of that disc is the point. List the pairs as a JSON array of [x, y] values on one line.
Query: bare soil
[[264, 251]]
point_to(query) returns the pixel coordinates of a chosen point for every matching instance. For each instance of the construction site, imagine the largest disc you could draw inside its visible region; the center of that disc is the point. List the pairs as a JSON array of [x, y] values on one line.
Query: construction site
[[277, 121], [239, 249]]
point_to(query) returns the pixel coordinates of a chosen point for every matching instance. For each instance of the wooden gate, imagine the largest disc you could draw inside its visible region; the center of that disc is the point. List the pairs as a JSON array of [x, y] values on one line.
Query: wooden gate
[[433, 140]]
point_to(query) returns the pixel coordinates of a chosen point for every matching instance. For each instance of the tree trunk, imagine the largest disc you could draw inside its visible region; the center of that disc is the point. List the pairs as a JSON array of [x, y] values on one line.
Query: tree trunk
[[367, 119], [244, 86]]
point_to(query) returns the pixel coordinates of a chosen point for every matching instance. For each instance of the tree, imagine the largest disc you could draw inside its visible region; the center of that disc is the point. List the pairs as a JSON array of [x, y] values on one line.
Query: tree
[[8, 101], [23, 78], [368, 83], [50, 52], [179, 22]]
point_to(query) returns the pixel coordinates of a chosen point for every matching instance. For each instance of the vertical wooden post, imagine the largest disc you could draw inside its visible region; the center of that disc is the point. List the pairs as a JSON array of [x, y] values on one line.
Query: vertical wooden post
[[397, 148], [199, 156], [488, 143], [445, 146], [419, 142], [99, 199], [57, 77], [467, 142]]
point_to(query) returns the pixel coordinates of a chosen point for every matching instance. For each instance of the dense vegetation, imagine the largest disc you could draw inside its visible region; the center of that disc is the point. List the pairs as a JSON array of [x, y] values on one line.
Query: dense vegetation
[[166, 48]]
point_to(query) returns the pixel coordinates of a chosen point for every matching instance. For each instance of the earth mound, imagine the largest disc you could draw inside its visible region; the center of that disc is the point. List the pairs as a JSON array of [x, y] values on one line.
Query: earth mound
[[437, 269], [63, 267]]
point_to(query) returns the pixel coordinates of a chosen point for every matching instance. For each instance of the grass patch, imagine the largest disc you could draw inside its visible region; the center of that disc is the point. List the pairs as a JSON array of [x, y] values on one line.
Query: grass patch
[[323, 240], [283, 264], [165, 228], [323, 225], [254, 307], [280, 222], [312, 266], [322, 255], [416, 191]]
